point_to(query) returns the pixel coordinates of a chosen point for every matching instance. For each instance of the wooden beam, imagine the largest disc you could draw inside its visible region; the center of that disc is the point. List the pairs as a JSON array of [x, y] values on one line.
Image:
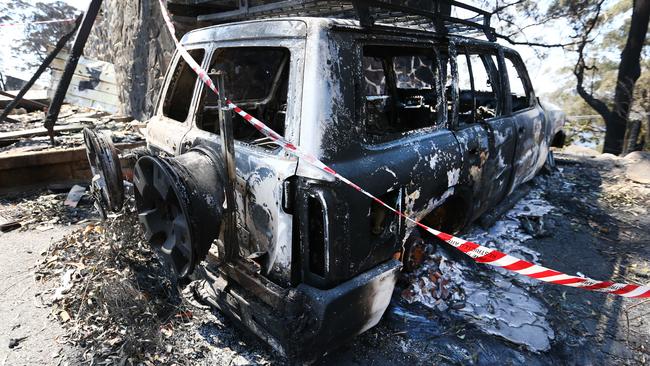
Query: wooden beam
[[38, 131], [24, 101]]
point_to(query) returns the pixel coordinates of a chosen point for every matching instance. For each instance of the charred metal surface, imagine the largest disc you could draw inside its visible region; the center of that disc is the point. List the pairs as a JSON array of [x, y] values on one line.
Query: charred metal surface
[[301, 322], [106, 186], [386, 107], [180, 203]]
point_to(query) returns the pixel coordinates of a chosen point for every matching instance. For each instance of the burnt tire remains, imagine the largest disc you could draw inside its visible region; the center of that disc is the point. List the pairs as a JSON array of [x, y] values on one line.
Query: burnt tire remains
[[107, 185], [180, 204]]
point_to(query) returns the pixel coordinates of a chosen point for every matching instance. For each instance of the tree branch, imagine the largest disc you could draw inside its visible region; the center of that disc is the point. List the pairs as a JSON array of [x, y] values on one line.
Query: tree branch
[[512, 41], [542, 22], [580, 67], [505, 6]]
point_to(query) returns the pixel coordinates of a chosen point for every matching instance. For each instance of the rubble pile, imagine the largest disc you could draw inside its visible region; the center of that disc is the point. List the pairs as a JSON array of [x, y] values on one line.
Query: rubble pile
[[428, 285], [495, 301], [41, 210], [121, 305], [516, 308], [72, 119]]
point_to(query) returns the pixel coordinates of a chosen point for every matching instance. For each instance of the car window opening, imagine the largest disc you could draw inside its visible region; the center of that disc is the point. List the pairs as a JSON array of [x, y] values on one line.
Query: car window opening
[[477, 87], [178, 97], [519, 93], [256, 79], [400, 89]]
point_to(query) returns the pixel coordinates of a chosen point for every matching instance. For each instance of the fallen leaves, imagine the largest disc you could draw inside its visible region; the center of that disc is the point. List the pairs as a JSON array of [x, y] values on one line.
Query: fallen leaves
[[117, 301]]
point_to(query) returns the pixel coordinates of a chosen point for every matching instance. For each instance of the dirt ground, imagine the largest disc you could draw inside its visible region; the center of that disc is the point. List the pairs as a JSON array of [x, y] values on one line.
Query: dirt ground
[[22, 313], [594, 222]]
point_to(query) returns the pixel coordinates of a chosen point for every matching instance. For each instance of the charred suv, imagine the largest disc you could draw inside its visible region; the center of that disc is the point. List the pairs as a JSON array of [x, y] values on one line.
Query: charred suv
[[439, 125]]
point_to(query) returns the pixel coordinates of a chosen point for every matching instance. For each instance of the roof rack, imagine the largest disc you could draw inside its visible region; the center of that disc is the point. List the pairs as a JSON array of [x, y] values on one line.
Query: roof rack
[[429, 15]]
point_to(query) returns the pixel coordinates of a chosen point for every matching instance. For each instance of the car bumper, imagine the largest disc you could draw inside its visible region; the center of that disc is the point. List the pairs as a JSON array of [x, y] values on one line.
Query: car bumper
[[350, 308]]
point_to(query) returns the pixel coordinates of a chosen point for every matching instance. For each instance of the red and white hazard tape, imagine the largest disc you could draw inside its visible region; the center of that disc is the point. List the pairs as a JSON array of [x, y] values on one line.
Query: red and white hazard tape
[[37, 22], [478, 252]]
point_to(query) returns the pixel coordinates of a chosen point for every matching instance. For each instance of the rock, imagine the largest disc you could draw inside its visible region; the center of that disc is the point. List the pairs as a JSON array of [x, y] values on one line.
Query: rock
[[580, 151], [639, 170], [533, 225], [638, 155]]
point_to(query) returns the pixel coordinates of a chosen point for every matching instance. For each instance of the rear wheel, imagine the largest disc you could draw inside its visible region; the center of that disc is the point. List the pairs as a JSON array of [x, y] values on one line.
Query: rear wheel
[[162, 210]]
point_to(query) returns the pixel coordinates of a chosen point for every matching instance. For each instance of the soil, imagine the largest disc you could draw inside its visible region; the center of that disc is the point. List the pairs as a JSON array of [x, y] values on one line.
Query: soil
[[597, 224], [24, 316]]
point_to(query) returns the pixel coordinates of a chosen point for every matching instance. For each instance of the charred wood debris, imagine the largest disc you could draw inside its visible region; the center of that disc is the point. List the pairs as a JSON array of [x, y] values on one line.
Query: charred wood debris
[[27, 133], [52, 203]]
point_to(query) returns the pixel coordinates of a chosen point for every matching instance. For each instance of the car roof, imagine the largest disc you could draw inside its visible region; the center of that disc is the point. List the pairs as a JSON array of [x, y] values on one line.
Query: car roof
[[258, 28]]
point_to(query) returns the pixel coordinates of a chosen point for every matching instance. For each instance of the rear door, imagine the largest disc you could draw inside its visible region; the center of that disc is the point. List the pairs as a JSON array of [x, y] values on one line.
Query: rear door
[[486, 136], [529, 121], [261, 78]]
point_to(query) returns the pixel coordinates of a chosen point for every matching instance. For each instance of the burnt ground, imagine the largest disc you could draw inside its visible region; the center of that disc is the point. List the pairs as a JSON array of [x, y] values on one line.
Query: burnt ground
[[594, 221], [599, 227]]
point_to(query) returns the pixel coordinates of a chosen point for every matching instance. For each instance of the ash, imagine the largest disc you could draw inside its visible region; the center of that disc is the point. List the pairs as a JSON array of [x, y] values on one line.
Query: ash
[[496, 301]]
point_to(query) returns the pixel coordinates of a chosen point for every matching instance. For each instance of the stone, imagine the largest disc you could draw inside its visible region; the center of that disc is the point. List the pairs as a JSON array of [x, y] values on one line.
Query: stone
[[580, 151], [639, 171]]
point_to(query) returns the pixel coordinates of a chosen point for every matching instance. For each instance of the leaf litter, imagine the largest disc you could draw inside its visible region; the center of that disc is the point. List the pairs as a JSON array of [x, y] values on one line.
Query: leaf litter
[[121, 305]]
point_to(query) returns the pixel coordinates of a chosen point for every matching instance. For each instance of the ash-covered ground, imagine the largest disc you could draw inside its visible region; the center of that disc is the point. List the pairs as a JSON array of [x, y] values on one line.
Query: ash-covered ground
[[117, 305]]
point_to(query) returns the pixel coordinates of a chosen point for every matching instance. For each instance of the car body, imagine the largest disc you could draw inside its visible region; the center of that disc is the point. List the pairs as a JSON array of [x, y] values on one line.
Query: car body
[[441, 126]]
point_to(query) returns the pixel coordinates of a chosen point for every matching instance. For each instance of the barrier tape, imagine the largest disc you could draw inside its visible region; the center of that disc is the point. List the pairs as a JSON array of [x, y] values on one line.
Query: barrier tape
[[477, 252], [38, 22]]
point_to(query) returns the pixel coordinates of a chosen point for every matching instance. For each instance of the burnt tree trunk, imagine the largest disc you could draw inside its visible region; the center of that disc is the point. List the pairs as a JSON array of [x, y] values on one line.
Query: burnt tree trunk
[[629, 71], [630, 143]]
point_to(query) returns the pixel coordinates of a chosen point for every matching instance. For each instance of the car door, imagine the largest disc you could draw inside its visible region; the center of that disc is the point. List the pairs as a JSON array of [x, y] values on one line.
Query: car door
[[529, 120], [172, 119], [486, 136], [274, 69]]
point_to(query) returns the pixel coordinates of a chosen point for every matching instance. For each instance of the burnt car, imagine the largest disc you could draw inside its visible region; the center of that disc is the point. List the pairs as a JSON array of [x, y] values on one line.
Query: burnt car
[[439, 125]]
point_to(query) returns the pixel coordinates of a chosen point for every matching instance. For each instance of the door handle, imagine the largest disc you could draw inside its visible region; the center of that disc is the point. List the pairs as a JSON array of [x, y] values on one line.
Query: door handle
[[520, 129]]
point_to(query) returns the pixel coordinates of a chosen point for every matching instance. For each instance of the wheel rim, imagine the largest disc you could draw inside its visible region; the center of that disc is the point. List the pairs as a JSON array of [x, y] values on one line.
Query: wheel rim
[[162, 212], [105, 167]]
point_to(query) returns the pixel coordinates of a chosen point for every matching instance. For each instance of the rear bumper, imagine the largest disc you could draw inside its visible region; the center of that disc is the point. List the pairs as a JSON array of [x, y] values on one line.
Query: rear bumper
[[308, 322], [350, 308]]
